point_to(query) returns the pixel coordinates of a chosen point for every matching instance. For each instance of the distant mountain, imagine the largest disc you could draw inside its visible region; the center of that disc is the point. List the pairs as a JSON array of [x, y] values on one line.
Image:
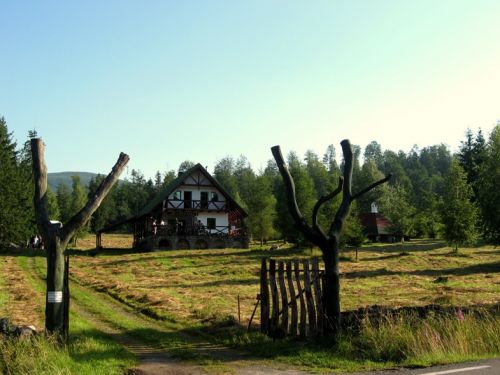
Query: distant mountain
[[54, 179]]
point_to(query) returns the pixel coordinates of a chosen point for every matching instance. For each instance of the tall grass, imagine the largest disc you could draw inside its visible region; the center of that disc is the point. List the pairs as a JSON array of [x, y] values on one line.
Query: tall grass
[[435, 339], [397, 340], [88, 352]]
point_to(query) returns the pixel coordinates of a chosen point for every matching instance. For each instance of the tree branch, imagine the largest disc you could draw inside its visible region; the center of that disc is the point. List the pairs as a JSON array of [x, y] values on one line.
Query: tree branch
[[372, 186], [292, 202], [322, 200], [40, 175], [81, 218], [343, 210]]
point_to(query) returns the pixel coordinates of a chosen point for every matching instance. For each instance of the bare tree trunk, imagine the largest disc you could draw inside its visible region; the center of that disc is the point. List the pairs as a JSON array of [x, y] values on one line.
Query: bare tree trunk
[[327, 242], [56, 237], [331, 290]]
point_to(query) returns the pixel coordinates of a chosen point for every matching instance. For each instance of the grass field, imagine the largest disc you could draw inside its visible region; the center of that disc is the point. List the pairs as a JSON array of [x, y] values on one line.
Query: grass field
[[193, 291], [203, 285]]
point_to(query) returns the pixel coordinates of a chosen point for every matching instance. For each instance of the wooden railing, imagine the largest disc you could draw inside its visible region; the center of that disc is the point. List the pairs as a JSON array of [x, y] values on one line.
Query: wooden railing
[[291, 298], [197, 230], [182, 204]]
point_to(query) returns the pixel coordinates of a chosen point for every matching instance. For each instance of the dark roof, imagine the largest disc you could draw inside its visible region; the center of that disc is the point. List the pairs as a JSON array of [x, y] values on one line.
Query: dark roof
[[166, 191], [162, 195], [375, 224]]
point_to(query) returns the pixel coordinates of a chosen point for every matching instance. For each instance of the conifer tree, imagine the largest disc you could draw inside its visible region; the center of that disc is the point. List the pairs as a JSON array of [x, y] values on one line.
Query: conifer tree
[[16, 219], [458, 213], [488, 187]]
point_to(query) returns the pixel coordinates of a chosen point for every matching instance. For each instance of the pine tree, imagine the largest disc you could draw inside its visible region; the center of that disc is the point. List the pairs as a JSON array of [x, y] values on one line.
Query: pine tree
[[16, 219], [458, 213], [488, 187], [261, 209]]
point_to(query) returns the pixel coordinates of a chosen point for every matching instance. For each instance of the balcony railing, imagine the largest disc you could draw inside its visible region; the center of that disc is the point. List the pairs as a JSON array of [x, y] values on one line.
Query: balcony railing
[[181, 204], [197, 230]]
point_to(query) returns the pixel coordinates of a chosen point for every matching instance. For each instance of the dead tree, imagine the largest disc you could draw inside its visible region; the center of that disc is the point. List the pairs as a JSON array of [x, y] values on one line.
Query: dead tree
[[56, 237], [328, 242]]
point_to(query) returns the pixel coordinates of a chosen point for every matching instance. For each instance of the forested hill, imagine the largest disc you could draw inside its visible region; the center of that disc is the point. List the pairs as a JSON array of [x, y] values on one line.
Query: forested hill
[[54, 179]]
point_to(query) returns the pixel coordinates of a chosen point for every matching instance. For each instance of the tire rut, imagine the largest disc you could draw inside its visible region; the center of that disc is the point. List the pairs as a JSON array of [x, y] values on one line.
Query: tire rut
[[154, 360]]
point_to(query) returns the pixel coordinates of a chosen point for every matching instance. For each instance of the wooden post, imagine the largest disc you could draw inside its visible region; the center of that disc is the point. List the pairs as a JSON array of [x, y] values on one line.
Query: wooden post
[[264, 298], [303, 317], [317, 295], [66, 298], [56, 237], [284, 298], [274, 298], [293, 299], [311, 312]]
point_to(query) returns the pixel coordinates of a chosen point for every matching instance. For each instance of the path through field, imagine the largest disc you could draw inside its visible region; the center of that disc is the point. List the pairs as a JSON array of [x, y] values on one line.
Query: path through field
[[153, 358]]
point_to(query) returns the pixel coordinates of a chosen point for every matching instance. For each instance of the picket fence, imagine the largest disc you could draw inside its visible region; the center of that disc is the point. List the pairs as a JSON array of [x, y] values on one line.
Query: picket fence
[[291, 298]]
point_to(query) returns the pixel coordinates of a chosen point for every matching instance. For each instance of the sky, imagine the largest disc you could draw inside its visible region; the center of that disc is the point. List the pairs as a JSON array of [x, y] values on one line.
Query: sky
[[168, 81]]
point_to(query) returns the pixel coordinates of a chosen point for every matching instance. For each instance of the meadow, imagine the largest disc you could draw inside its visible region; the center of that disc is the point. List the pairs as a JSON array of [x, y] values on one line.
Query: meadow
[[181, 300]]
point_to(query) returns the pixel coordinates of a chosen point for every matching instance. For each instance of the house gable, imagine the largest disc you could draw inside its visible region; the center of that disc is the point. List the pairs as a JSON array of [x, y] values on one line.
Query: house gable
[[194, 180]]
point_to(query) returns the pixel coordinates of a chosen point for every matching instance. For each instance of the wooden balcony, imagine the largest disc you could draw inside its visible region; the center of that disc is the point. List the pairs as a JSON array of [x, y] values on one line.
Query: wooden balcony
[[200, 205]]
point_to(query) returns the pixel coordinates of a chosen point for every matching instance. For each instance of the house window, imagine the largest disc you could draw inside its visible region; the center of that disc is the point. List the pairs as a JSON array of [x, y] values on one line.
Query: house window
[[204, 199], [214, 197], [211, 223], [178, 195]]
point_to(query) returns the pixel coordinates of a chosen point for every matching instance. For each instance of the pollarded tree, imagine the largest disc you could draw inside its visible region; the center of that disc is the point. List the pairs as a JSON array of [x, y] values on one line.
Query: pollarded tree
[[305, 197], [459, 214], [56, 237], [328, 242]]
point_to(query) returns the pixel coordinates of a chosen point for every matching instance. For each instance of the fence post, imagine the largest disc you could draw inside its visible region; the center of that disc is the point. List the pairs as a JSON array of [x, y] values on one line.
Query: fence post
[[273, 326], [302, 326], [293, 299], [318, 295], [309, 298], [264, 298], [284, 298]]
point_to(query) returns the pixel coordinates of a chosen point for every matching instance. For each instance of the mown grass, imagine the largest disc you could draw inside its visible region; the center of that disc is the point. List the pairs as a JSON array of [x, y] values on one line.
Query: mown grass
[[193, 286], [3, 294], [196, 292], [89, 351]]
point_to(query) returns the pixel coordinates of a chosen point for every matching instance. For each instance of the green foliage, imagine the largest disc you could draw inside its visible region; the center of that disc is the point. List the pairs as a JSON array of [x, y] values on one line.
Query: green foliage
[[16, 197], [458, 213], [488, 192], [396, 206], [261, 209]]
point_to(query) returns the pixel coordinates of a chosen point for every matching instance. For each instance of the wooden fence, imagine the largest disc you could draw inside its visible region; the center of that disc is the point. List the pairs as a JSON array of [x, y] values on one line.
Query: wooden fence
[[291, 298]]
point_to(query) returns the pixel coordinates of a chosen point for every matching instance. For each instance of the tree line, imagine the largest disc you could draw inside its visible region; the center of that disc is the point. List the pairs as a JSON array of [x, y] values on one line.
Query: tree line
[[433, 193]]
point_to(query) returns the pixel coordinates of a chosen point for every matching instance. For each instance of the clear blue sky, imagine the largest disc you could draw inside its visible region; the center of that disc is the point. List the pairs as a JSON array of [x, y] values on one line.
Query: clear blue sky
[[166, 81]]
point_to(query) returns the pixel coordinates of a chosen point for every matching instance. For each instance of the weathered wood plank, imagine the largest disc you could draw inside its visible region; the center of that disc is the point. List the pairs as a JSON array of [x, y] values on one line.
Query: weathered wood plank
[[284, 298], [311, 311], [264, 298], [317, 295], [303, 313], [293, 300], [274, 298]]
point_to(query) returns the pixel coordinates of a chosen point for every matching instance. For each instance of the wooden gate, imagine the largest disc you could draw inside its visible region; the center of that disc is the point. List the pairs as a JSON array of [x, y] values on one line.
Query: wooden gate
[[291, 298]]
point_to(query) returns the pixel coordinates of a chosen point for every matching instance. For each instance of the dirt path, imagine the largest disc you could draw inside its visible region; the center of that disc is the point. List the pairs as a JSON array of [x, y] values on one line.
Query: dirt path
[[153, 360]]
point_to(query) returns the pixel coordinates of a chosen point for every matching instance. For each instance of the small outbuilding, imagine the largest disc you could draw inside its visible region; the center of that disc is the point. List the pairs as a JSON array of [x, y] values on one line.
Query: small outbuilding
[[376, 227]]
